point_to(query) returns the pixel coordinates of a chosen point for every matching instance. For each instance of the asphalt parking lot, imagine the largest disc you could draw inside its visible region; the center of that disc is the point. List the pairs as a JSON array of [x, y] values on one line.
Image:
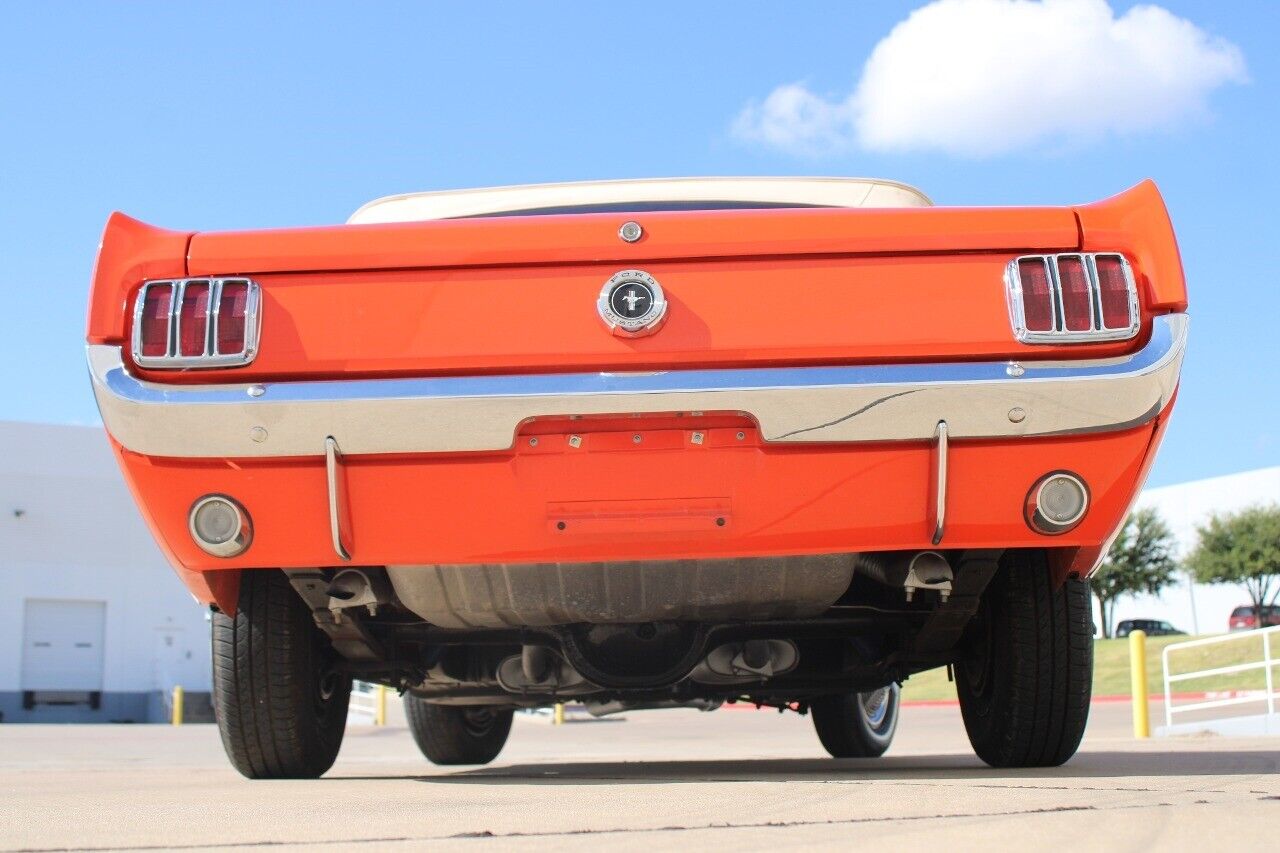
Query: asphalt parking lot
[[752, 780]]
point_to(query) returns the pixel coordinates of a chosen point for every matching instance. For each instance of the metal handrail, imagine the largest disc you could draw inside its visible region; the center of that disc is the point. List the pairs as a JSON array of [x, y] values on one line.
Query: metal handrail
[[1266, 665]]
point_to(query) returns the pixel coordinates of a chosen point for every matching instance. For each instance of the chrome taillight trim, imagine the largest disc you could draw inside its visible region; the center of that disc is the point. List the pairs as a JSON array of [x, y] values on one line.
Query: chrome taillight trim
[[1059, 334], [210, 357]]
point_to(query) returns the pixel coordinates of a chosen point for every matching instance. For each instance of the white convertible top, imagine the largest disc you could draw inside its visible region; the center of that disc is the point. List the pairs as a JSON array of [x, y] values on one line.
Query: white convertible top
[[645, 194]]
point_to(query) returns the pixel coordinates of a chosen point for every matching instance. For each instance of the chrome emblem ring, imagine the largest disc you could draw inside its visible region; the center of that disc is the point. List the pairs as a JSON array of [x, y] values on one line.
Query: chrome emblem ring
[[632, 303]]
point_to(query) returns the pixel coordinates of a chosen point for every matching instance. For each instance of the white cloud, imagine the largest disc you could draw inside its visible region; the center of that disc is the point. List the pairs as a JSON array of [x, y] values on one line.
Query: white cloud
[[982, 77], [794, 119]]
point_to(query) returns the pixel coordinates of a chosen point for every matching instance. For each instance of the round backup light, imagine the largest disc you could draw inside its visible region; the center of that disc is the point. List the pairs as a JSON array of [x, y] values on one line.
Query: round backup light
[[220, 526], [1057, 503]]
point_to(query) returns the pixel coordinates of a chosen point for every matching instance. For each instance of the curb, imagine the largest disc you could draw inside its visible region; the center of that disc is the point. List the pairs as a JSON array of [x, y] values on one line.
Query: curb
[[1101, 700]]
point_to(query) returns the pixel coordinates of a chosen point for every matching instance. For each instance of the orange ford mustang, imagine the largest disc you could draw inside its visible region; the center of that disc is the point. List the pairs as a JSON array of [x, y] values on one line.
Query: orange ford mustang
[[643, 444]]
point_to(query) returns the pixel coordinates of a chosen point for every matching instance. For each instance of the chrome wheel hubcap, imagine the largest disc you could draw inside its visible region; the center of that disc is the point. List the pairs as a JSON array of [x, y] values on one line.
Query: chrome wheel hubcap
[[875, 706]]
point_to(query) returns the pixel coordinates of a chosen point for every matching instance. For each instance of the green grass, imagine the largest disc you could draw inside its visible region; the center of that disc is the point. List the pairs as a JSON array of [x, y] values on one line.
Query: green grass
[[1111, 669]]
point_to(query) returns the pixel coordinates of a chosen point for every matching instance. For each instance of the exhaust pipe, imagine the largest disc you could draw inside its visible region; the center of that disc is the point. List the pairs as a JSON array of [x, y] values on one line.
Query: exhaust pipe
[[358, 588], [536, 663], [927, 570], [538, 669], [746, 661]]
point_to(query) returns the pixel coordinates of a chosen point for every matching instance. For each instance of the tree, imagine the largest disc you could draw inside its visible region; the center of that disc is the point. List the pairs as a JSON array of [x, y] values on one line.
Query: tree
[[1244, 548], [1140, 560]]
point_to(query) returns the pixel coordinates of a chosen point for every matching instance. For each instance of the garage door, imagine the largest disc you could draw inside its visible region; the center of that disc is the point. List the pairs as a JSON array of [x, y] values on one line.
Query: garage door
[[62, 645]]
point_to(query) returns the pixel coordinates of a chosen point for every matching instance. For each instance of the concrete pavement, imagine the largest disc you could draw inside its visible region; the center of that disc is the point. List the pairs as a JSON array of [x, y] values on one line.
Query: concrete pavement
[[753, 780]]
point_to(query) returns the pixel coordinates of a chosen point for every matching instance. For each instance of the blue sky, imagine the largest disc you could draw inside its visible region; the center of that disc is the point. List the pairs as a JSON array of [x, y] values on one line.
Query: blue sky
[[238, 116]]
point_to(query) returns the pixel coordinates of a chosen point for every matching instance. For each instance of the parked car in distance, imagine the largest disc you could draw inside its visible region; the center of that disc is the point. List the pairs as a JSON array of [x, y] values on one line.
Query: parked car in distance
[[1153, 627], [643, 444], [1244, 618]]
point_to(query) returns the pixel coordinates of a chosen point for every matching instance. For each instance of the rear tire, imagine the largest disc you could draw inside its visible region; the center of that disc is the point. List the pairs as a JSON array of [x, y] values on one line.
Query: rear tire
[[457, 734], [1025, 692], [280, 701], [857, 725]]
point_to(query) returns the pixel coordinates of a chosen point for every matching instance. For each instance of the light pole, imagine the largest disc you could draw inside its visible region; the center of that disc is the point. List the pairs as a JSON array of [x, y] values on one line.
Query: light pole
[[1191, 589]]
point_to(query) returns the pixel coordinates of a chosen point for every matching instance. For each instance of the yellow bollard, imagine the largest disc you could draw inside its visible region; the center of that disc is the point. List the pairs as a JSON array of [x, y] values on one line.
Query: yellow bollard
[[559, 714], [380, 715], [1138, 683], [176, 710]]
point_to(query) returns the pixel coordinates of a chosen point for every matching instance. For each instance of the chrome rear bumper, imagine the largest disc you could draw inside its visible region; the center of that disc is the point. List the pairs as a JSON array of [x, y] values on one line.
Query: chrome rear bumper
[[792, 405]]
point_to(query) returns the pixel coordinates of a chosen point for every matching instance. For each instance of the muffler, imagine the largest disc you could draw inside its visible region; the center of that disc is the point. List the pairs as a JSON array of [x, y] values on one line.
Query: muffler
[[599, 708], [746, 662], [538, 669]]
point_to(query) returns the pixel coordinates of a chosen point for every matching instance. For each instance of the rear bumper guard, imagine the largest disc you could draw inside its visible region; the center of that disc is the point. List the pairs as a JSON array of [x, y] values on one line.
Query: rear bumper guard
[[791, 405]]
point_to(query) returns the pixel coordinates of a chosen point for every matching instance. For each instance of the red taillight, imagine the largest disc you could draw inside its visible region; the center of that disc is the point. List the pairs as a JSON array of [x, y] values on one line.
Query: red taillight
[[193, 319], [232, 309], [155, 320], [195, 323], [1077, 309], [1113, 292], [1037, 295], [1073, 297]]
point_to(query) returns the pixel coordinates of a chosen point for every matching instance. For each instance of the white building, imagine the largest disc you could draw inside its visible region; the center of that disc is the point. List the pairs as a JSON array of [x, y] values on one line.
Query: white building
[[94, 626], [1200, 608]]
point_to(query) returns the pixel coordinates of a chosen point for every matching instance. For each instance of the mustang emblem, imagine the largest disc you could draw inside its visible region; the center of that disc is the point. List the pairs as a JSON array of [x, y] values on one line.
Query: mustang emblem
[[633, 299], [632, 303]]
